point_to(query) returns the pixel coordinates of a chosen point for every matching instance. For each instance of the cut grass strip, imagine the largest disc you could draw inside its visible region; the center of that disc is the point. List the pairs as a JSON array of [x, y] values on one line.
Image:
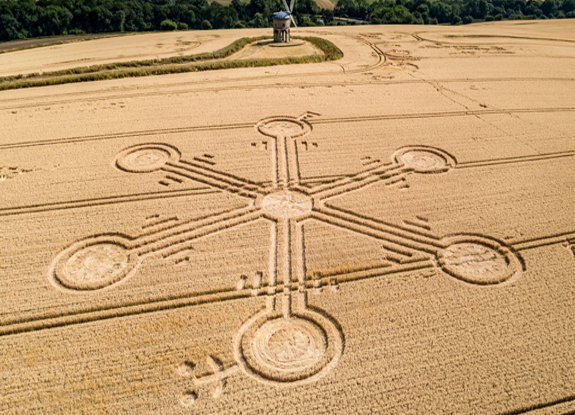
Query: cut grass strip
[[178, 64]]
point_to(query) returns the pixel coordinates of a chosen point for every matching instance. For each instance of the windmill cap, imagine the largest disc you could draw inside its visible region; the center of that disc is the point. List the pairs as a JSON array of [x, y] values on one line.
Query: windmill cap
[[281, 15]]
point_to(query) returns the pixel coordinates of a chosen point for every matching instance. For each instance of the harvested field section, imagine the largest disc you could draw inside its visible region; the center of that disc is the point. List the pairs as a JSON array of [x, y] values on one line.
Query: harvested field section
[[391, 232], [109, 50]]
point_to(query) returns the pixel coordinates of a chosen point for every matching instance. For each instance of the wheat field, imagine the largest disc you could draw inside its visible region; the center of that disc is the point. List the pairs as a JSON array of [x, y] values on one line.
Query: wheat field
[[389, 233]]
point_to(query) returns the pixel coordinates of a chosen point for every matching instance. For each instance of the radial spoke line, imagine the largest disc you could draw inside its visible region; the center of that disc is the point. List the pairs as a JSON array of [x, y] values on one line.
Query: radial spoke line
[[417, 236], [273, 267], [404, 239], [208, 170], [385, 225], [275, 164], [299, 251], [193, 226], [175, 243], [224, 178], [283, 251], [347, 179], [404, 253], [422, 263], [357, 181], [565, 238], [402, 232], [283, 162], [293, 160], [212, 180]]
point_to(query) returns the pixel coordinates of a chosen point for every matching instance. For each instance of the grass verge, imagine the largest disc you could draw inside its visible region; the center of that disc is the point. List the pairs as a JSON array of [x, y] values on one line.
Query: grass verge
[[178, 64]]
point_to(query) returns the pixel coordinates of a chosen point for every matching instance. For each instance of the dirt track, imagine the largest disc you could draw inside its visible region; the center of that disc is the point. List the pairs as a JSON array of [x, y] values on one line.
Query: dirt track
[[388, 233], [32, 43]]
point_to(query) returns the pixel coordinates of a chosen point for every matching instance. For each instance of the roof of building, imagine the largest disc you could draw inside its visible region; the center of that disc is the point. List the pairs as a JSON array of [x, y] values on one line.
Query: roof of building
[[281, 15]]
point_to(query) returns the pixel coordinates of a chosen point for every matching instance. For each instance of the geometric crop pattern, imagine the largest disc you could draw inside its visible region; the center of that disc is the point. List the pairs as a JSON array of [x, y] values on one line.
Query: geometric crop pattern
[[289, 342]]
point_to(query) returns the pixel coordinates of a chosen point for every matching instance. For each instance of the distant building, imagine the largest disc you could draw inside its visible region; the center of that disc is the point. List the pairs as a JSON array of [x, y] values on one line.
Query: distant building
[[281, 27]]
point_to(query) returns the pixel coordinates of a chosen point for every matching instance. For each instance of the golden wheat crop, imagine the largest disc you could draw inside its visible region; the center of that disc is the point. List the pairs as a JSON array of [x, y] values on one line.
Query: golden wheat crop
[[389, 233]]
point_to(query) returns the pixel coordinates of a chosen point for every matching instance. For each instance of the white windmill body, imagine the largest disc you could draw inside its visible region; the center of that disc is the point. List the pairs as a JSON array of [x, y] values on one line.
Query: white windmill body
[[282, 23]]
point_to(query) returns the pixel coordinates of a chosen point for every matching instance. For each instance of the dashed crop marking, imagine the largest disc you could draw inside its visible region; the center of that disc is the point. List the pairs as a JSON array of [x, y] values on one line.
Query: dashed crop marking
[[288, 342], [10, 172]]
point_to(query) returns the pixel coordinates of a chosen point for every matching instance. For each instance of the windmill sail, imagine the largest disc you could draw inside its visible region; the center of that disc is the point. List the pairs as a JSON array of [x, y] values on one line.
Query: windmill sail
[[289, 10]]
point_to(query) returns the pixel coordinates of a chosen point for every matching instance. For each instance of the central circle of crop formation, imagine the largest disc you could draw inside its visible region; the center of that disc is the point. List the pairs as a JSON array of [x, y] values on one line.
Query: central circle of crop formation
[[287, 204]]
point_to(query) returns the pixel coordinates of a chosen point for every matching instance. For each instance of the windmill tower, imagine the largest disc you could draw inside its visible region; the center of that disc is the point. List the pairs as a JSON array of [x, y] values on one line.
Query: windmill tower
[[282, 23]]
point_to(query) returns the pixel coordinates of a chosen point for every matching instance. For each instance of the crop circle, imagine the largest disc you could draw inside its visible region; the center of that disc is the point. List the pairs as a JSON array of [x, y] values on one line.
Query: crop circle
[[289, 344], [93, 264], [479, 261], [283, 127], [287, 204], [291, 349], [146, 158], [425, 159]]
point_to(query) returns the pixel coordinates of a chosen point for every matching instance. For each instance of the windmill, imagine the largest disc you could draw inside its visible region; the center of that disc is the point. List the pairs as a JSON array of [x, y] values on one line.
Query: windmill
[[282, 23]]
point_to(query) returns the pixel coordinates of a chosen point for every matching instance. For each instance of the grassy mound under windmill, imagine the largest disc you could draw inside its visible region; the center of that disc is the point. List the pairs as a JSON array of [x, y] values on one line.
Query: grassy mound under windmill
[[242, 53]]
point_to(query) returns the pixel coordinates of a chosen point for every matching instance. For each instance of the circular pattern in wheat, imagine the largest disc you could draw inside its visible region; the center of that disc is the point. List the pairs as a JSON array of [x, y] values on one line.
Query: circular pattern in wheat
[[145, 158], [289, 344], [479, 263], [150, 158], [287, 204], [283, 127], [97, 263], [424, 160]]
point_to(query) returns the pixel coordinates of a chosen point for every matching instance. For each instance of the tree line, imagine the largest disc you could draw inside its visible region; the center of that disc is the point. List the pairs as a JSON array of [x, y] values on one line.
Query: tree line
[[22, 19], [453, 11]]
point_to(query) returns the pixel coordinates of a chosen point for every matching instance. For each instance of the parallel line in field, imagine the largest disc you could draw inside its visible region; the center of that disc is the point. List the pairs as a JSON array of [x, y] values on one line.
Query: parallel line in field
[[519, 159], [153, 132], [101, 201], [307, 181], [191, 299], [564, 406], [267, 85], [538, 242]]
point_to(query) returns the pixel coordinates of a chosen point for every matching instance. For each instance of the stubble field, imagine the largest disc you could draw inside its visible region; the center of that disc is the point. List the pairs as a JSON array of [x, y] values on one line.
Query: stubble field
[[389, 233]]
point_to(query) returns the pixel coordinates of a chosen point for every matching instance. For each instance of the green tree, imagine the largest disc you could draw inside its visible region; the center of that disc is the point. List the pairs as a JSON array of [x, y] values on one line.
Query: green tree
[[206, 25], [239, 7], [10, 28], [395, 15], [347, 7], [259, 21], [328, 15], [568, 6], [168, 25], [549, 7], [118, 21]]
